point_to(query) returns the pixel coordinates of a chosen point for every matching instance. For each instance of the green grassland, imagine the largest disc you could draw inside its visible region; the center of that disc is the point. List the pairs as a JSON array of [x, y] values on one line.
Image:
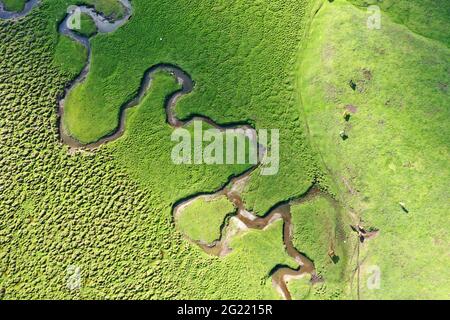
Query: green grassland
[[70, 56], [87, 26], [246, 270], [60, 209], [96, 210], [14, 5], [145, 150], [398, 138], [202, 219], [301, 289], [109, 212], [261, 250], [239, 76], [112, 9], [318, 227]]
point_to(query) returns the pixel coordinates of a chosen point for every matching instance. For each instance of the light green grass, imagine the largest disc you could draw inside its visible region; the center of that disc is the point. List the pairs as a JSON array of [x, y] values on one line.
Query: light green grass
[[239, 76], [202, 219], [397, 150], [319, 227], [257, 252], [300, 289], [87, 26], [14, 5], [70, 56], [429, 18], [112, 9], [144, 152]]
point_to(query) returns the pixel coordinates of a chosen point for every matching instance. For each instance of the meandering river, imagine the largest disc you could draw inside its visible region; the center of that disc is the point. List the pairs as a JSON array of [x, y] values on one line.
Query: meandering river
[[243, 219]]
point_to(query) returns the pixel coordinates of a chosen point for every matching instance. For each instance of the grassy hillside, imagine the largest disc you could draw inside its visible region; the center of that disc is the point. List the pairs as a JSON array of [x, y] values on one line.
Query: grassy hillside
[[321, 233], [387, 90]]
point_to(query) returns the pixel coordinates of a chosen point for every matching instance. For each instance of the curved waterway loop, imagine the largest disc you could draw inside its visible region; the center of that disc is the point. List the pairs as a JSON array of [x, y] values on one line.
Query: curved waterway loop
[[243, 219], [103, 26], [187, 85], [11, 15]]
